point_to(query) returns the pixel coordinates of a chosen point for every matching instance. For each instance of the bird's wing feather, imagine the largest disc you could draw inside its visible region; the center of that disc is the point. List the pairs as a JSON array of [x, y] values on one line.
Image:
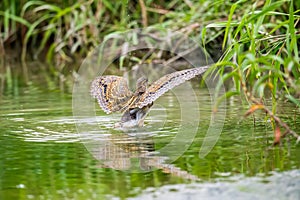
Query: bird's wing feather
[[112, 93], [166, 83]]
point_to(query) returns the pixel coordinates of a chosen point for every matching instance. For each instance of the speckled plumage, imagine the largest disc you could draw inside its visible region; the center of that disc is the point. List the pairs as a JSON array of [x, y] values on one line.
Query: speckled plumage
[[113, 94]]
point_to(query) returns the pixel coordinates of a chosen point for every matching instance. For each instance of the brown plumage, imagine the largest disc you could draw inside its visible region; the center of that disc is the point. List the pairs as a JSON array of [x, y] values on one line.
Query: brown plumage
[[113, 94]]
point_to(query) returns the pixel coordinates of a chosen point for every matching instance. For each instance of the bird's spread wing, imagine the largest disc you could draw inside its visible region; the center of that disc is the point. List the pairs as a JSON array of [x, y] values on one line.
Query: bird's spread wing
[[112, 93], [168, 82]]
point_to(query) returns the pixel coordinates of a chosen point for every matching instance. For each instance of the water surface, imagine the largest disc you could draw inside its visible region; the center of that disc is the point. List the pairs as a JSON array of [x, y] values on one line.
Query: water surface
[[44, 157]]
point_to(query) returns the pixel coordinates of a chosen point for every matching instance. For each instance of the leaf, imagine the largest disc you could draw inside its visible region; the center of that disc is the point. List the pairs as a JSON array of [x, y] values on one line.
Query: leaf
[[28, 4], [293, 99], [253, 108], [277, 135], [221, 24], [232, 9], [15, 18], [48, 8], [293, 47]]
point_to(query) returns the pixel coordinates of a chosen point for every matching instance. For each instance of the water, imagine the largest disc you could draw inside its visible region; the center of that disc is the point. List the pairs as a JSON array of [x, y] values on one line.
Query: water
[[44, 157]]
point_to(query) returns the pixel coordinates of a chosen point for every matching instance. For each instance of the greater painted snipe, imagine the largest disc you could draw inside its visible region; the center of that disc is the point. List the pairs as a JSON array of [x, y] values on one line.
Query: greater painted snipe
[[113, 94]]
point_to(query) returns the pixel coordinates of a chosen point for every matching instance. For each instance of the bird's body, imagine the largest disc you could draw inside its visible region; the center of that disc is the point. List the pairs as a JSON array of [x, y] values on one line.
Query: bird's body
[[113, 94]]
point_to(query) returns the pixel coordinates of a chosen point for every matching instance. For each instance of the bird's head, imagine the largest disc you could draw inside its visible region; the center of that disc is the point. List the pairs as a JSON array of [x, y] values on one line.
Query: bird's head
[[141, 85]]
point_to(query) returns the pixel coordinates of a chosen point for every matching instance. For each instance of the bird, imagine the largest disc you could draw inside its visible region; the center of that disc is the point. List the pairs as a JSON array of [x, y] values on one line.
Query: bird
[[113, 94]]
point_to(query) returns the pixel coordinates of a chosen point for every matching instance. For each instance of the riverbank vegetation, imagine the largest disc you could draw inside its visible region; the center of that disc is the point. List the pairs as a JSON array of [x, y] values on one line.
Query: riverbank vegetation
[[255, 44]]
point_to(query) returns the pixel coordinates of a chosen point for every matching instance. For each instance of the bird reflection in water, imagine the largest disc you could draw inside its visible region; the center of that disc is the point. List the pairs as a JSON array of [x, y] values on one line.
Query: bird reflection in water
[[134, 151]]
